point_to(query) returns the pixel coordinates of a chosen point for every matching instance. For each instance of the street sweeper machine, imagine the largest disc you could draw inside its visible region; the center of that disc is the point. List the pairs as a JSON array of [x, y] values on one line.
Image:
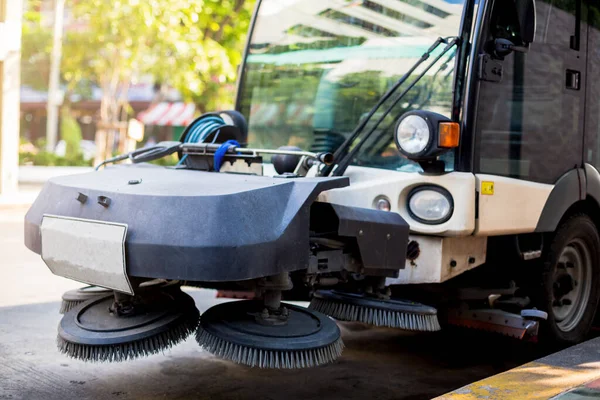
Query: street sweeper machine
[[410, 164]]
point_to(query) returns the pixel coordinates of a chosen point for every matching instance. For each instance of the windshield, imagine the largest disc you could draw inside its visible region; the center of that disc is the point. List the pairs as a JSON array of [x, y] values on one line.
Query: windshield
[[316, 67]]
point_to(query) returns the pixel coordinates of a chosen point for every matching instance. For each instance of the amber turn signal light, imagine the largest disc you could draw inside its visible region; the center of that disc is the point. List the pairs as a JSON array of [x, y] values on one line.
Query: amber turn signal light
[[449, 135]]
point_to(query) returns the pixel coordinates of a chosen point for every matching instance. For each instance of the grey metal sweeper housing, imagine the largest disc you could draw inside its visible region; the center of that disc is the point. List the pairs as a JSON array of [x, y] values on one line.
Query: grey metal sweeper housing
[[205, 226]]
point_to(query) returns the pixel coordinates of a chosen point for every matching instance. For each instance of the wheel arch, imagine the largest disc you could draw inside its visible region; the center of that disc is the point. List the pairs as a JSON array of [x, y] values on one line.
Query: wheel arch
[[567, 192], [591, 203], [577, 191], [593, 191]]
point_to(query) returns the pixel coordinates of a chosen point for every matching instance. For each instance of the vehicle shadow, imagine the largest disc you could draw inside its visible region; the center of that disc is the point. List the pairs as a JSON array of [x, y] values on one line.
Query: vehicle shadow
[[376, 364]]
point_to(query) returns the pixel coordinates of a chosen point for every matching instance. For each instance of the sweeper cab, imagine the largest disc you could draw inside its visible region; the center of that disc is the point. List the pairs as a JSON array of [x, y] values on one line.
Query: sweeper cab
[[403, 164]]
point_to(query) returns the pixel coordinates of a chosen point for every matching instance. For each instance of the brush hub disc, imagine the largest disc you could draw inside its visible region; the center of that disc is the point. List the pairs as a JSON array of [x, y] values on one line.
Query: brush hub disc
[[235, 323], [85, 293], [92, 324], [89, 292], [361, 300]]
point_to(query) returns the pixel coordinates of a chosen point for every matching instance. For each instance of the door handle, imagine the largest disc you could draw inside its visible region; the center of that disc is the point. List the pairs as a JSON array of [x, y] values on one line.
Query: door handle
[[573, 79]]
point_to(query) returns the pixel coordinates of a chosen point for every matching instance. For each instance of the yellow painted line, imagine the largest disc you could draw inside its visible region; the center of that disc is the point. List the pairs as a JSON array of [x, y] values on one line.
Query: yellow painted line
[[530, 381]]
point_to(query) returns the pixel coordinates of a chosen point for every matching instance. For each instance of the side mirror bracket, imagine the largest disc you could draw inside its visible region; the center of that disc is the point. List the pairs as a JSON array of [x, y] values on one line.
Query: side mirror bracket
[[503, 47], [526, 18]]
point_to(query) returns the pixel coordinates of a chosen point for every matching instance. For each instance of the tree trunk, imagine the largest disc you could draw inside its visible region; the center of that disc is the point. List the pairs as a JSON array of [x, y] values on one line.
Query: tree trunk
[[110, 128]]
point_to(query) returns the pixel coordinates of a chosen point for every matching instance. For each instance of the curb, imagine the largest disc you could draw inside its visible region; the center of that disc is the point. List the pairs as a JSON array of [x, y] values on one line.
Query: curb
[[545, 378], [589, 391]]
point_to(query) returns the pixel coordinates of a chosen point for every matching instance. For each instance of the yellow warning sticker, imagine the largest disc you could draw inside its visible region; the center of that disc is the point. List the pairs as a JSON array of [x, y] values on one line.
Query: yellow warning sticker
[[487, 187]]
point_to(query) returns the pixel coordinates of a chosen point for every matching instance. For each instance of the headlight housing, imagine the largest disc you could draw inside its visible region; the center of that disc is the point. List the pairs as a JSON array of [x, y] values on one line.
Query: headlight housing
[[423, 135], [430, 204]]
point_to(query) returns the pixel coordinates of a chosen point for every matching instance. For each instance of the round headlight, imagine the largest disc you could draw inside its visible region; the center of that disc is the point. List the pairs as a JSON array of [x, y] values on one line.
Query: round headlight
[[430, 204], [413, 134]]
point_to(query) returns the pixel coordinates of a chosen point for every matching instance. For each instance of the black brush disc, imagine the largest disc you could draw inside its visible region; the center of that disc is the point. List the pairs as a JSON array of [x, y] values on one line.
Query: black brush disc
[[162, 318], [231, 331], [391, 313], [75, 297]]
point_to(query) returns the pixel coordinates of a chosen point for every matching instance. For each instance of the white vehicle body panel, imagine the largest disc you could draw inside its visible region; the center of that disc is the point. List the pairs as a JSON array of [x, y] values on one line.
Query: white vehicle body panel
[[514, 207], [434, 264], [369, 184]]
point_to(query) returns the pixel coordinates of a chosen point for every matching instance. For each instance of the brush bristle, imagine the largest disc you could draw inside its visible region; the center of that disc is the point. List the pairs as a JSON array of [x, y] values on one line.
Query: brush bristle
[[68, 305], [131, 350], [376, 317], [262, 358]]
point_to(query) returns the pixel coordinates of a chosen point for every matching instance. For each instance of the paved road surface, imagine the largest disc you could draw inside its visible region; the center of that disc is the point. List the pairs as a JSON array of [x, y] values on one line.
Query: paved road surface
[[377, 363]]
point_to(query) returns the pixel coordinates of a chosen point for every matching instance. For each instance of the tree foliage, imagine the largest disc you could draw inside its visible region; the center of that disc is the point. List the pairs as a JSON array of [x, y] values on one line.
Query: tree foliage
[[194, 46], [70, 131], [36, 48]]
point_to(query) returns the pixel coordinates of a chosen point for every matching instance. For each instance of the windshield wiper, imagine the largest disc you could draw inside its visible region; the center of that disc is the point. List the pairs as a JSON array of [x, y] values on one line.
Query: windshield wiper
[[382, 140], [340, 166]]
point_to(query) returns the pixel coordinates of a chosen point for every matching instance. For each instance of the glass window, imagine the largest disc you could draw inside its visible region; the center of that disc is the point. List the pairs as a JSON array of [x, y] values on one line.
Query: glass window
[[389, 12], [530, 124], [427, 7], [315, 69], [363, 24]]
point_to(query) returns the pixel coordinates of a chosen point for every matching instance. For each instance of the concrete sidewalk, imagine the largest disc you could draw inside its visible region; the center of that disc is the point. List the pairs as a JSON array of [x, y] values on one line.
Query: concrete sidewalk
[[31, 181], [570, 374], [24, 196]]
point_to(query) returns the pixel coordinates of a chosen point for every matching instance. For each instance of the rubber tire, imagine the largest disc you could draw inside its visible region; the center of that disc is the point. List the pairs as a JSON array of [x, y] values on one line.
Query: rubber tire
[[576, 226]]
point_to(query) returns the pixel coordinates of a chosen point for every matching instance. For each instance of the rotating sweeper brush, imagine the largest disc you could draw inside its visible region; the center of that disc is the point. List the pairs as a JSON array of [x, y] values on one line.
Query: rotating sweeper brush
[[375, 311], [295, 337], [75, 297], [266, 333], [120, 327]]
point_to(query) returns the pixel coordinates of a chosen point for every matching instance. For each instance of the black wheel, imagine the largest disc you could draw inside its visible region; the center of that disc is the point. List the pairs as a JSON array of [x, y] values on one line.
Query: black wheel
[[570, 287]]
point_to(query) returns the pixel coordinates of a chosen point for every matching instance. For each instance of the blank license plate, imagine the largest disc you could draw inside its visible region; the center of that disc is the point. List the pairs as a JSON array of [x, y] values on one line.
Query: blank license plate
[[87, 251]]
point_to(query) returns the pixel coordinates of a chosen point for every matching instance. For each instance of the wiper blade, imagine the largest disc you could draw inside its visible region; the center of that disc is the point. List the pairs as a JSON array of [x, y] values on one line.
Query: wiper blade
[[340, 166]]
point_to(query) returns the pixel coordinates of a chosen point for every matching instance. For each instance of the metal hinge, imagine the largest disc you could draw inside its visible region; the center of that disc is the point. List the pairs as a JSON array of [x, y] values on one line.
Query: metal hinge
[[489, 70]]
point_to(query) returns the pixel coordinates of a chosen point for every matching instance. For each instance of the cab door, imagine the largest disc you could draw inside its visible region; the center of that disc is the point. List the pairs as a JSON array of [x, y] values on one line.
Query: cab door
[[530, 114]]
